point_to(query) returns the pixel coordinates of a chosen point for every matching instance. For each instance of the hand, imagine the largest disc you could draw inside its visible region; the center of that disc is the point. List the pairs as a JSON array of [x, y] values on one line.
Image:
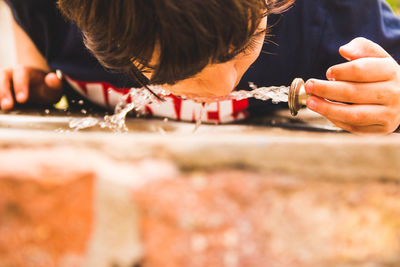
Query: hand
[[27, 83], [367, 89]]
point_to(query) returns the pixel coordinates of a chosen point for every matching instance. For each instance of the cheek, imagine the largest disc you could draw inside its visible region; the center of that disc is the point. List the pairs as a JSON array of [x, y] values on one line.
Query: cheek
[[243, 63], [220, 81]]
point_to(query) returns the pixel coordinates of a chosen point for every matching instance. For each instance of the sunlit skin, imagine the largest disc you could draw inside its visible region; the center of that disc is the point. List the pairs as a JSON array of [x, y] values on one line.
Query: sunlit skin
[[217, 80], [370, 80]]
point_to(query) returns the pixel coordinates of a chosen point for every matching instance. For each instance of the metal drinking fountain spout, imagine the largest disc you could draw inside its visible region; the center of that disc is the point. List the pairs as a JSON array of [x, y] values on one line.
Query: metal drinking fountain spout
[[297, 96]]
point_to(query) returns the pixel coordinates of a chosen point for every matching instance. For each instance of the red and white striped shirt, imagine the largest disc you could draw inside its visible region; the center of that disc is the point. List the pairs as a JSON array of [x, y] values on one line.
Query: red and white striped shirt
[[106, 95]]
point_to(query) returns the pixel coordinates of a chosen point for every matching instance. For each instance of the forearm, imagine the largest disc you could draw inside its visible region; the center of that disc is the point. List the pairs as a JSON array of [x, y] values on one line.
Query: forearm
[[26, 52]]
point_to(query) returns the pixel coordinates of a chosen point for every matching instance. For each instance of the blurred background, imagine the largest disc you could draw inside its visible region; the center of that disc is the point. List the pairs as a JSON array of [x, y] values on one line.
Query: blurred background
[[395, 5], [6, 43], [7, 56]]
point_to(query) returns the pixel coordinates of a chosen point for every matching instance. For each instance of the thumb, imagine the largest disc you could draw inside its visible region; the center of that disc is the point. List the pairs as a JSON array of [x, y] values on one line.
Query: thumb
[[53, 81], [360, 48]]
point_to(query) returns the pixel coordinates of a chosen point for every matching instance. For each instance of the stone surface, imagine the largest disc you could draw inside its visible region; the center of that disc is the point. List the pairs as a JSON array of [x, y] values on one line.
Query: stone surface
[[318, 156]]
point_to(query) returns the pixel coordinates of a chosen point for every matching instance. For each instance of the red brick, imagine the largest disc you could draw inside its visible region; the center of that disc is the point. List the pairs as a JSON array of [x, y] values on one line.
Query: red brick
[[46, 213], [231, 218]]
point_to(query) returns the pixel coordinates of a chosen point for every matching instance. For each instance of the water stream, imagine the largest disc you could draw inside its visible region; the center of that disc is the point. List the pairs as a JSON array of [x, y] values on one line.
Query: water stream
[[137, 99]]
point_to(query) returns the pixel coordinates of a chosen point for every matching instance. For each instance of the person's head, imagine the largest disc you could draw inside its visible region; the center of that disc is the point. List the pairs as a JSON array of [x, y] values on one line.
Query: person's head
[[199, 48]]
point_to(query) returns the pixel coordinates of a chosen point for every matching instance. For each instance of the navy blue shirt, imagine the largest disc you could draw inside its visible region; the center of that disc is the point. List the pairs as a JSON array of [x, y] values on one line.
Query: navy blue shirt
[[304, 41], [309, 35]]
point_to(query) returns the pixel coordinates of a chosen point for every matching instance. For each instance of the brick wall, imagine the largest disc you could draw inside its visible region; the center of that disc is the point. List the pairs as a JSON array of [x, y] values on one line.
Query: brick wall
[[63, 206]]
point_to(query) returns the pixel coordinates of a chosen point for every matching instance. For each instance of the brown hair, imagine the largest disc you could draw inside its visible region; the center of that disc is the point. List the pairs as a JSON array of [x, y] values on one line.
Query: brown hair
[[187, 34]]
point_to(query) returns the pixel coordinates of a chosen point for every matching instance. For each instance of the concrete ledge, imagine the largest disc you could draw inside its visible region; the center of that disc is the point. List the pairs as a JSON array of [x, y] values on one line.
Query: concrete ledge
[[317, 156]]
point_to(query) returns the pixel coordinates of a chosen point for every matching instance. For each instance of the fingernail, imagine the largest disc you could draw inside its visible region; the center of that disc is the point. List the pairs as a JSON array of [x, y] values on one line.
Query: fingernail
[[330, 76], [311, 104], [309, 85], [59, 74], [5, 103], [20, 97]]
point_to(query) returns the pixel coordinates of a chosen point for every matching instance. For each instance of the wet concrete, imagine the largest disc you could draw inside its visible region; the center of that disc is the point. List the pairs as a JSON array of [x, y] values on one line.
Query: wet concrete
[[310, 154]]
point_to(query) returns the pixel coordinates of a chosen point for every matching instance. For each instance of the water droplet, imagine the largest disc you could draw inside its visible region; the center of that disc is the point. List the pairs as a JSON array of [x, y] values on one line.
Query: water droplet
[[80, 124], [252, 85], [199, 116]]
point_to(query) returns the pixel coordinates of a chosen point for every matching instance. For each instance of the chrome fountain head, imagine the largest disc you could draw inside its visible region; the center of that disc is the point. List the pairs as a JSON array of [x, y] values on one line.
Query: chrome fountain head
[[297, 96]]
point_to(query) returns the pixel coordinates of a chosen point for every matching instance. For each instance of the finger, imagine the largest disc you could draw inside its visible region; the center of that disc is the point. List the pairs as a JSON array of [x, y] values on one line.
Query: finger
[[53, 81], [360, 48], [54, 86], [21, 84], [357, 115], [6, 98], [49, 91], [350, 92], [371, 129], [359, 70]]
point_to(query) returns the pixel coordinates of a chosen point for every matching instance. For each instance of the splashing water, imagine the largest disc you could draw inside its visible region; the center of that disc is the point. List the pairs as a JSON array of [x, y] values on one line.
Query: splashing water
[[276, 94], [200, 116], [138, 98], [80, 124]]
